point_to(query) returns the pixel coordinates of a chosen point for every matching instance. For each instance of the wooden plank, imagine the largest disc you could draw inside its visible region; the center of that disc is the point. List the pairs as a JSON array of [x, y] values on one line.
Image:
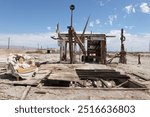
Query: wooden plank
[[104, 83], [79, 43], [65, 76], [98, 78], [121, 84], [95, 70], [140, 76], [25, 93], [107, 89], [98, 36], [32, 82], [137, 84]]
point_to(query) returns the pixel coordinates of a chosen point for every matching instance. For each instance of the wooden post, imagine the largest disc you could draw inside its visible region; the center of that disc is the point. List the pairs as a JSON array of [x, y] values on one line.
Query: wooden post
[[70, 44], [139, 59], [103, 51], [60, 51], [75, 50], [65, 50], [122, 58]]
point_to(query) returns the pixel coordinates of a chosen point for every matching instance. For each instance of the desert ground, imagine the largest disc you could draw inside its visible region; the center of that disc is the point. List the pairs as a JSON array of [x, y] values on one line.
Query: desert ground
[[10, 89]]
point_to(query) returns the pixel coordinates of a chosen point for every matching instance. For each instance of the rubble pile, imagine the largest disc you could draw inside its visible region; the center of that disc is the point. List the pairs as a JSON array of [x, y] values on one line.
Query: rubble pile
[[21, 65]]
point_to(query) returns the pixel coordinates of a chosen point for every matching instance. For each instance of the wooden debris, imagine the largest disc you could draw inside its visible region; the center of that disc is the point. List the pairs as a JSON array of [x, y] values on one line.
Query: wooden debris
[[25, 93], [109, 89], [122, 84], [44, 92], [104, 82], [140, 76], [33, 81]]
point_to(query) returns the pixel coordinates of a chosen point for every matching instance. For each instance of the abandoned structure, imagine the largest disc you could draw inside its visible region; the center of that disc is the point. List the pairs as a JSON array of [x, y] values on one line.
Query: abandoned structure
[[48, 77], [96, 44], [122, 52]]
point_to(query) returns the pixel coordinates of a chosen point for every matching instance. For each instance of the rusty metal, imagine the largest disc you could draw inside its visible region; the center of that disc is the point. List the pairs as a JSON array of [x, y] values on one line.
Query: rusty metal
[[122, 52]]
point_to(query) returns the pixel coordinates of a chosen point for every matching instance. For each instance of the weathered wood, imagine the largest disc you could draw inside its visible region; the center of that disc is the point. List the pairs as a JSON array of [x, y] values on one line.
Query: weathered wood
[[122, 84], [109, 89], [44, 92], [140, 76], [65, 76], [95, 70], [40, 92], [33, 81], [25, 93], [100, 77], [99, 73], [81, 83], [136, 83], [79, 43], [104, 82]]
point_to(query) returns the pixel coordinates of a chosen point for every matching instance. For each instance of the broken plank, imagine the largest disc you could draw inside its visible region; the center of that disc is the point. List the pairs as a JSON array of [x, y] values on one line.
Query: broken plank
[[140, 76], [25, 93], [121, 84], [109, 89], [32, 82], [104, 82]]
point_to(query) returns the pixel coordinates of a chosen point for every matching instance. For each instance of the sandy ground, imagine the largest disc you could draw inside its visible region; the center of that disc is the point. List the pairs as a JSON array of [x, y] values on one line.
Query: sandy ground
[[11, 92]]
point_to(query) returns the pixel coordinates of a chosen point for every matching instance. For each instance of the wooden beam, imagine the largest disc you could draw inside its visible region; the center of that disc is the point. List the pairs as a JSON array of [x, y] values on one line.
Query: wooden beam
[[77, 39], [25, 93], [108, 89], [104, 82], [122, 84]]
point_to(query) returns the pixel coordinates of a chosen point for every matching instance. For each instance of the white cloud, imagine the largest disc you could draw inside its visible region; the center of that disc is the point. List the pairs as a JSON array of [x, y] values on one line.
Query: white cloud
[[145, 8], [91, 24], [29, 40], [111, 18], [97, 21], [132, 43], [101, 3], [49, 28], [129, 27], [130, 9]]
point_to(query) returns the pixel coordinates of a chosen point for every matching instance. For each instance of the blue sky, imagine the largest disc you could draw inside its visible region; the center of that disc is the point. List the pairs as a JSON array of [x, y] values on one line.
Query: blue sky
[[36, 19]]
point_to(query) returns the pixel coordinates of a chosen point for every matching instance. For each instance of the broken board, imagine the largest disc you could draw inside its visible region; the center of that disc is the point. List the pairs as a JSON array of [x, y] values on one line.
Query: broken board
[[42, 74]]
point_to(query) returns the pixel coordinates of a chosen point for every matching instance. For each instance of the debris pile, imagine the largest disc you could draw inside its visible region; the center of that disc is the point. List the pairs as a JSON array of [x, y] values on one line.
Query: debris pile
[[22, 66]]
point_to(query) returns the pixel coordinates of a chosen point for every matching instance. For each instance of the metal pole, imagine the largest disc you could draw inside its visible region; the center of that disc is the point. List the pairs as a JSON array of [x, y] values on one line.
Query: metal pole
[[38, 46], [71, 18], [72, 7], [8, 42], [70, 31], [149, 46]]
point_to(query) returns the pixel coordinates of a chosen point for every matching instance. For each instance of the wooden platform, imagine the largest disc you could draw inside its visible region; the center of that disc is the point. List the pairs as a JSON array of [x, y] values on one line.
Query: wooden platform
[[64, 76], [99, 74]]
